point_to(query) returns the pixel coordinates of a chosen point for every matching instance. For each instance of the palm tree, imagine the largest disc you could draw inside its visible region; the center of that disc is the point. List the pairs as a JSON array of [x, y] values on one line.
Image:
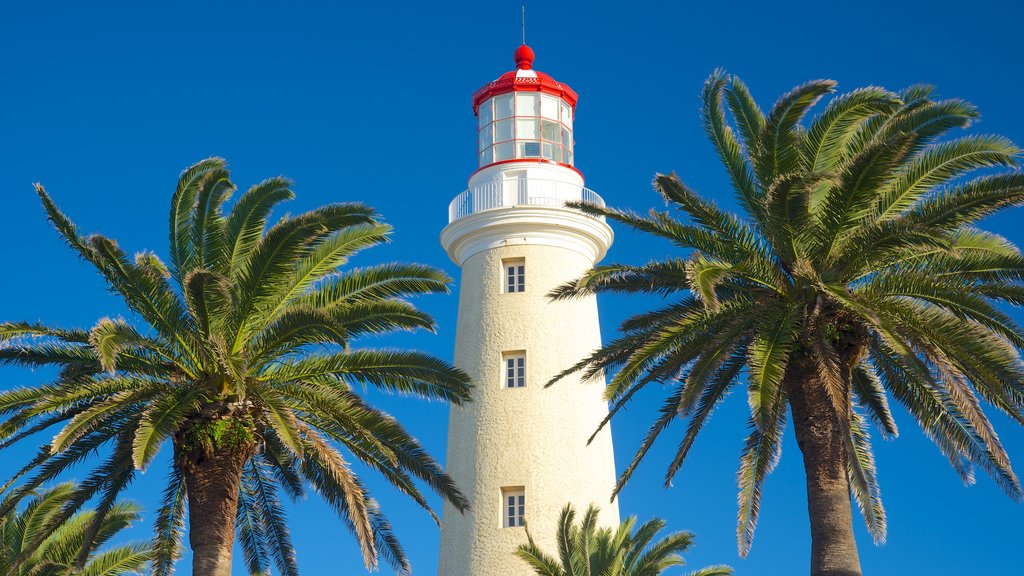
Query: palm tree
[[31, 546], [855, 273], [584, 549], [246, 369]]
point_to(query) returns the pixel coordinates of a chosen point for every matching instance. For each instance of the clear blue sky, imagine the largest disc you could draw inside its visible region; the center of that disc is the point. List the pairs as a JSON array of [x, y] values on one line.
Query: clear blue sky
[[106, 102]]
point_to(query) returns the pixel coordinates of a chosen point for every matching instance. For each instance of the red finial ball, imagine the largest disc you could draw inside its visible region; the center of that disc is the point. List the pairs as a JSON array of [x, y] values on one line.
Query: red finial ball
[[524, 57]]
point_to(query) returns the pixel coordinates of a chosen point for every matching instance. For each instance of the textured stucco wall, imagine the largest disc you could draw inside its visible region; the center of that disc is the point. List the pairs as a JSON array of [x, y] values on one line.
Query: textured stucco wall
[[534, 436]]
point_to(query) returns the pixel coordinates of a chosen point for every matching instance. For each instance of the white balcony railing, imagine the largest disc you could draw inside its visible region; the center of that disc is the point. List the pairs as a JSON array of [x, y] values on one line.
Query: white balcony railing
[[520, 192]]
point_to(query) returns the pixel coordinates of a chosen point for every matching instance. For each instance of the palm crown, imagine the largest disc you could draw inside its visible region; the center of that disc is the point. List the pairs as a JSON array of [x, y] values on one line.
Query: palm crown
[[855, 275], [32, 545], [585, 549], [246, 369]]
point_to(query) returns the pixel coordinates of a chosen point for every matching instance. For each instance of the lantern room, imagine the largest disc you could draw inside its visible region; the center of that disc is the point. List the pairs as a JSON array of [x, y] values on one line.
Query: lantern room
[[524, 115]]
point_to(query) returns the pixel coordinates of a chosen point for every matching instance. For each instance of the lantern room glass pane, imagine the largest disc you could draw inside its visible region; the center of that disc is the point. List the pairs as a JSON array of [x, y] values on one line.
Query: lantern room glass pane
[[485, 136], [484, 112], [529, 149], [551, 131], [487, 156], [503, 106], [566, 115], [502, 130], [504, 151], [526, 104], [526, 129], [549, 106]]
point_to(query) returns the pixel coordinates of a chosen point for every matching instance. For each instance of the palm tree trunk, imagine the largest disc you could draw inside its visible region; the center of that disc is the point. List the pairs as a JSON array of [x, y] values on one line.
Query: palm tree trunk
[[820, 437], [212, 478]]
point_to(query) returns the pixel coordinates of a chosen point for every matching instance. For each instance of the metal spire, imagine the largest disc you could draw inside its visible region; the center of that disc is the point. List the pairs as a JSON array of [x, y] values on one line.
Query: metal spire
[[524, 22]]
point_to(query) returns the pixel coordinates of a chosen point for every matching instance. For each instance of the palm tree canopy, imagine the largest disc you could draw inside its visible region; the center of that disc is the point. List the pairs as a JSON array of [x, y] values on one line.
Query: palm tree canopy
[[245, 339], [584, 549], [31, 545], [857, 258]]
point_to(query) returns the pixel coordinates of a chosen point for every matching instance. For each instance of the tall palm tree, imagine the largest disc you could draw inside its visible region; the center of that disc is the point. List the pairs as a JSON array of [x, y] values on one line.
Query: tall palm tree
[[584, 549], [31, 545], [246, 369], [855, 273]]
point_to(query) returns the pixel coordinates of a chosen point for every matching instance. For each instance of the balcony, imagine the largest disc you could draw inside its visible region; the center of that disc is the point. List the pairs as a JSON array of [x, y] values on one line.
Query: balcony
[[520, 192]]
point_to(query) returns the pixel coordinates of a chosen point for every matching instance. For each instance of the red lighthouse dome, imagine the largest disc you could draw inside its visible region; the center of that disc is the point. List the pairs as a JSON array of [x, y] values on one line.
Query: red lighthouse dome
[[525, 115]]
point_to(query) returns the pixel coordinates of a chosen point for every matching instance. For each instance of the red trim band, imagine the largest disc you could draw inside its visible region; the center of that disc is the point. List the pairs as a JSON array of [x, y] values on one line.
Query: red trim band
[[510, 82], [535, 160]]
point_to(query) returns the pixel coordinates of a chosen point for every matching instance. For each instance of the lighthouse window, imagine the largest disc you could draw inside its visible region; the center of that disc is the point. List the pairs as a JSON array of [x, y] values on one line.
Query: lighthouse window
[[503, 106], [485, 136], [502, 130], [548, 151], [549, 107], [551, 131], [526, 129], [515, 369], [515, 275], [485, 113], [504, 151], [526, 104], [529, 149], [513, 507]]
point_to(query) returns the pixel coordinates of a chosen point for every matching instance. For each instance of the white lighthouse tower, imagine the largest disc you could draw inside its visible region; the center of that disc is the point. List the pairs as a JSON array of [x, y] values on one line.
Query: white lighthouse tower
[[520, 451]]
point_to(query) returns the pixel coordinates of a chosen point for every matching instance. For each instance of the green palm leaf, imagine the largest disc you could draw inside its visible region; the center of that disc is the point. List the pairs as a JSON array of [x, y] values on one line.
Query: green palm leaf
[[183, 213]]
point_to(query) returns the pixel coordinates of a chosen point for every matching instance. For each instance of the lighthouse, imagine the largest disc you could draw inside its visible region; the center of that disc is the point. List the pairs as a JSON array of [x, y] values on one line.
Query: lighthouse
[[520, 451]]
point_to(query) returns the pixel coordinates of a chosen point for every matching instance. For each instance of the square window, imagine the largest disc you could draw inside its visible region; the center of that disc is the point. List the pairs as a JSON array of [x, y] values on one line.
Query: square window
[[486, 136], [513, 507], [547, 151], [515, 369], [529, 150], [526, 129], [484, 112], [549, 106], [551, 131], [526, 104], [503, 106], [515, 274], [502, 130], [504, 151]]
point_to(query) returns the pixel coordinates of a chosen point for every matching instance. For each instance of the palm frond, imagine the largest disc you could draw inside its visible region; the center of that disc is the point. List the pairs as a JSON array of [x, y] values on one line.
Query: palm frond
[[778, 150], [825, 146], [248, 218], [760, 455], [183, 205], [662, 278], [863, 478], [768, 359], [748, 115], [169, 525], [390, 370], [725, 142], [940, 164]]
